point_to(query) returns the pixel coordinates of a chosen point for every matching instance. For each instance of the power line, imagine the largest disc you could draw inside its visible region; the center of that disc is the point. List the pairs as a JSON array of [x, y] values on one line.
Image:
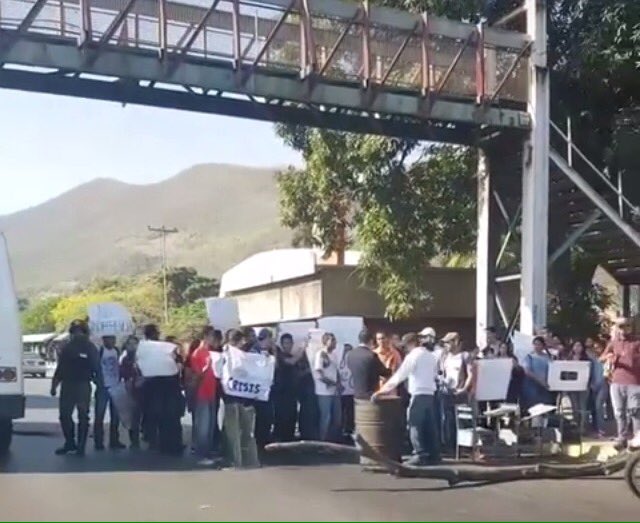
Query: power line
[[164, 231]]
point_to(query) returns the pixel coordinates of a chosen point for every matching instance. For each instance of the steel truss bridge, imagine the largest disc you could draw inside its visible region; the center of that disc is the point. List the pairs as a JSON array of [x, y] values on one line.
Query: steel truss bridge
[[324, 63]]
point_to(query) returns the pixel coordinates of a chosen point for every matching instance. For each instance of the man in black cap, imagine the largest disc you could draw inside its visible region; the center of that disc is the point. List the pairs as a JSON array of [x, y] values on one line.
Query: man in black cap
[[77, 367]]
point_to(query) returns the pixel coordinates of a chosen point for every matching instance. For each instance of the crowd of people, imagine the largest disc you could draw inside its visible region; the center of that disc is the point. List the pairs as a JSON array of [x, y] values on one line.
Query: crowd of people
[[316, 398]]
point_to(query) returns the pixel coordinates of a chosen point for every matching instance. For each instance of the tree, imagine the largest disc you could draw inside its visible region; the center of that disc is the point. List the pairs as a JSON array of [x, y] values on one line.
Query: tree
[[594, 57], [185, 285], [38, 318], [187, 321]]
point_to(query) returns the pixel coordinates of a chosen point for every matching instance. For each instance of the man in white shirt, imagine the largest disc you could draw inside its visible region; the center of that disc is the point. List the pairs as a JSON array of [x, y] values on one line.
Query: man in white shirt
[[325, 375], [110, 368], [420, 369]]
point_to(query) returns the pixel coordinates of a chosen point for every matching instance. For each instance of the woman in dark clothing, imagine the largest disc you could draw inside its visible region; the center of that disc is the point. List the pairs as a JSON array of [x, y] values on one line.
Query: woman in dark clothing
[[517, 374]]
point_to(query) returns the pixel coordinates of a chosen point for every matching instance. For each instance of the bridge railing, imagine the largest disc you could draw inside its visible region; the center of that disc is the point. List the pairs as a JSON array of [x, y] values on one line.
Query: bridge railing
[[324, 39]]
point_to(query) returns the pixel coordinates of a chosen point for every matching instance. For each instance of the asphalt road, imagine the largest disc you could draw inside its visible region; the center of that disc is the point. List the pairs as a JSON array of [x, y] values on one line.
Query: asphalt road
[[38, 486]]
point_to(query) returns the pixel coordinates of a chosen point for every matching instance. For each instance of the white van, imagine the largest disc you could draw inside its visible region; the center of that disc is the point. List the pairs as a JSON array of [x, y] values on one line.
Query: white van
[[12, 401]]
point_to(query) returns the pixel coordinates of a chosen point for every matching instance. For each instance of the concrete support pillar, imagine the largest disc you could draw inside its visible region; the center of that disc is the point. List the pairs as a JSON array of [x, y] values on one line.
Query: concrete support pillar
[[486, 249], [535, 182], [626, 301]]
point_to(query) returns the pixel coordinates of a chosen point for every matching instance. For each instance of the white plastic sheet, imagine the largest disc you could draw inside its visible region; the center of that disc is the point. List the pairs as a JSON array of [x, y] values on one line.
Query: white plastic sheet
[[223, 313], [110, 319], [494, 375], [246, 375], [124, 404], [569, 376], [522, 345], [156, 358]]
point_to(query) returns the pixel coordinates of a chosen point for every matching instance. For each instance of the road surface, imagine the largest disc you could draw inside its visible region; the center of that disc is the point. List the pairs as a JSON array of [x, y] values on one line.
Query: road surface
[[35, 485]]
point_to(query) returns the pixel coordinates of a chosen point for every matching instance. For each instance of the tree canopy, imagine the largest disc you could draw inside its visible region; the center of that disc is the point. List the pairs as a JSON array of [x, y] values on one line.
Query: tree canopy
[[402, 203]]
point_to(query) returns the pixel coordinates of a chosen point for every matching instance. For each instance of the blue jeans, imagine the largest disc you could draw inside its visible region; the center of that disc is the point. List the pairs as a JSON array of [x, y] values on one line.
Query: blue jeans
[[103, 400], [423, 426], [600, 397], [330, 417], [205, 420]]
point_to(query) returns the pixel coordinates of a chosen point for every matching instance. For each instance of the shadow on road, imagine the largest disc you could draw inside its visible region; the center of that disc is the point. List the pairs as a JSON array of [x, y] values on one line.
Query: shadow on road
[[34, 444]]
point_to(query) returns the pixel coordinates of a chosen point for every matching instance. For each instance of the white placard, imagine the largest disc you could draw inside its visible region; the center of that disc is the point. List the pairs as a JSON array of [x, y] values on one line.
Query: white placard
[[299, 330], [110, 319], [346, 329], [492, 381], [245, 375], [314, 344], [522, 345], [569, 376], [223, 313], [156, 358]]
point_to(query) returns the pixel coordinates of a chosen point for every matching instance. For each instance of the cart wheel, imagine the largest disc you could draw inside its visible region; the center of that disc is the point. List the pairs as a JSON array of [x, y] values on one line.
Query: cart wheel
[[632, 473]]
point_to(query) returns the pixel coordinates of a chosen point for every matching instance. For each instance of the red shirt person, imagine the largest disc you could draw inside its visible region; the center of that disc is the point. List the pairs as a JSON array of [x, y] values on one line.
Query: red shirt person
[[623, 355], [205, 417]]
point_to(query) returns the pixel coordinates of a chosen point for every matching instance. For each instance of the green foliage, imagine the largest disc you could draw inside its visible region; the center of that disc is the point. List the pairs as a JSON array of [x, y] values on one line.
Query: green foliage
[[38, 317], [142, 295], [186, 322], [185, 285], [401, 203]]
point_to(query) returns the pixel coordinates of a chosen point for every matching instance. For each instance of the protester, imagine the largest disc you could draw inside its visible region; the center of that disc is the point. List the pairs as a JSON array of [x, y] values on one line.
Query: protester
[[389, 355], [346, 396], [77, 367], [420, 369], [132, 377], [293, 393], [536, 367], [164, 405], [598, 388], [366, 368], [326, 378], [264, 409], [580, 399], [240, 413], [623, 354], [517, 373], [455, 369], [396, 343], [190, 385], [110, 367], [206, 393], [493, 343]]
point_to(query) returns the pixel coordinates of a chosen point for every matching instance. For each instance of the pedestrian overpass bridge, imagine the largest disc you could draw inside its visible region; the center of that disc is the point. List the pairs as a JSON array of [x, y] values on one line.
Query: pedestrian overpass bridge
[[325, 63]]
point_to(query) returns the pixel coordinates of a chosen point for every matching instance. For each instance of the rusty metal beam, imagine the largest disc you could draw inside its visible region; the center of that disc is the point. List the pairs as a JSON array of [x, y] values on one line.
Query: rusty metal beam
[[308, 59], [399, 52], [480, 65], [339, 41], [512, 68], [201, 25], [116, 22], [273, 32], [31, 16], [162, 27], [425, 56], [366, 51], [455, 61], [236, 33]]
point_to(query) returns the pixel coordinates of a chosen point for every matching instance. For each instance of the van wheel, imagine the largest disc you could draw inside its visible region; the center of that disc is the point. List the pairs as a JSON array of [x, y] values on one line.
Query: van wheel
[[6, 432]]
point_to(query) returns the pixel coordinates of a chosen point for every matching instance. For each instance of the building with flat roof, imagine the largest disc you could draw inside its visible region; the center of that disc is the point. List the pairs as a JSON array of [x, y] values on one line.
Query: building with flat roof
[[300, 284]]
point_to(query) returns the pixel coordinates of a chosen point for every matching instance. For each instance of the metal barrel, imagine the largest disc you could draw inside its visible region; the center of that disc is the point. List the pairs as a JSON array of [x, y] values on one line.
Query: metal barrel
[[381, 425]]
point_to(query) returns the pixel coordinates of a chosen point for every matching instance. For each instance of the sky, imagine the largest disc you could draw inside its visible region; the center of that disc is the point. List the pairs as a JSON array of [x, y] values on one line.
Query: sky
[[50, 144]]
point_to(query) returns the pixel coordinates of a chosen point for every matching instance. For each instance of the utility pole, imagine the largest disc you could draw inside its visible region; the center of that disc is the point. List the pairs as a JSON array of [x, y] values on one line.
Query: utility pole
[[164, 231]]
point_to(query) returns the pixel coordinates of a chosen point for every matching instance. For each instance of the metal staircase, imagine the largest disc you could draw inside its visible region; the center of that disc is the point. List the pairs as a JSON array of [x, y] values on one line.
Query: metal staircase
[[601, 219]]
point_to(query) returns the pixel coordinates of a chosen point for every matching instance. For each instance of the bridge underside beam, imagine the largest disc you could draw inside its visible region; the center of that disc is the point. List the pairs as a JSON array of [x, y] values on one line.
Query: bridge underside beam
[[133, 93], [144, 65]]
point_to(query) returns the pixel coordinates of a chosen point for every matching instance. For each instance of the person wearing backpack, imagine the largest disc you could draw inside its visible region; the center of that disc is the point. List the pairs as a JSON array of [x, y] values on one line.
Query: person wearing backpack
[[109, 358]]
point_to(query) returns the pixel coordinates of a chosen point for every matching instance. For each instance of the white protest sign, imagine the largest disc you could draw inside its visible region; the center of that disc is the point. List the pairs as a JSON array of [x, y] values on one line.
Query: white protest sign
[[156, 358], [110, 319], [314, 344], [246, 375], [223, 313], [492, 381], [346, 329], [522, 345], [569, 376]]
